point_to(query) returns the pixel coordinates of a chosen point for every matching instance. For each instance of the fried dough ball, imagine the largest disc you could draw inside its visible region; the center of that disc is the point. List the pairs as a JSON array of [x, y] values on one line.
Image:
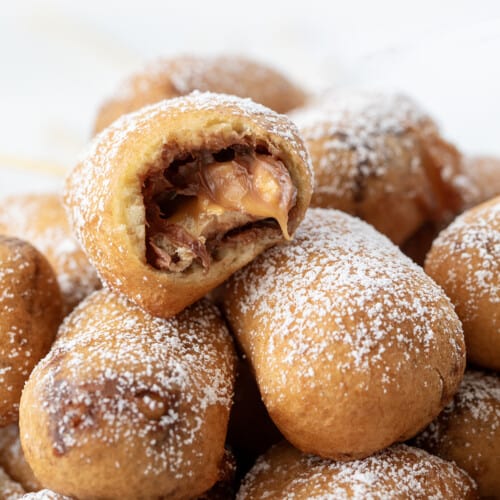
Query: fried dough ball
[[171, 200], [465, 261], [352, 345], [467, 431], [177, 76], [396, 473], [12, 459], [381, 158], [31, 311], [127, 406], [41, 220]]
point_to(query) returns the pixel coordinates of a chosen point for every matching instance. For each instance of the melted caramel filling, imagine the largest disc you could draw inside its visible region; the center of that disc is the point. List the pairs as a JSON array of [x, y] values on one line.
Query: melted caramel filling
[[195, 206]]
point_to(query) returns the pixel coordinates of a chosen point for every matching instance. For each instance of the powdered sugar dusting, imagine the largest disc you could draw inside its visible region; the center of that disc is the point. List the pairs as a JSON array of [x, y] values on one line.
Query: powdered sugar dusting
[[224, 74], [44, 495], [15, 355], [472, 244], [478, 404], [21, 216], [397, 472], [201, 74], [129, 379], [90, 183], [342, 283], [358, 122], [16, 352]]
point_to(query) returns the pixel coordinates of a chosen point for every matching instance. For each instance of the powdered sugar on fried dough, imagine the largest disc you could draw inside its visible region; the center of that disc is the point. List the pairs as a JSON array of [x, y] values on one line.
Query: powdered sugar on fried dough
[[342, 283], [478, 404], [105, 196], [397, 472], [41, 220], [118, 377], [472, 241]]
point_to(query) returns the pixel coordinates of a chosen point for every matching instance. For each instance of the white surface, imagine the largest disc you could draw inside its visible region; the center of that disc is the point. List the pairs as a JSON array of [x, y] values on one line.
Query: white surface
[[60, 58]]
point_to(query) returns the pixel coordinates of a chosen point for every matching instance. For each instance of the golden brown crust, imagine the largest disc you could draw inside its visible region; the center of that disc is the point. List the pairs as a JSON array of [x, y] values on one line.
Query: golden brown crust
[[381, 158], [397, 472], [104, 192], [352, 345], [126, 405], [31, 311], [12, 459], [167, 78], [478, 180], [467, 432], [465, 261], [41, 220]]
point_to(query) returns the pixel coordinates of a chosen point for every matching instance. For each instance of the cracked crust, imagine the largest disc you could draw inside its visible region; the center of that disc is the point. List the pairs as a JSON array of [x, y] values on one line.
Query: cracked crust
[[105, 199]]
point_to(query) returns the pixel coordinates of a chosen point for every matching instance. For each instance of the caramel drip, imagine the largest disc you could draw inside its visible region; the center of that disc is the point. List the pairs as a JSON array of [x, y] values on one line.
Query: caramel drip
[[229, 194], [259, 187]]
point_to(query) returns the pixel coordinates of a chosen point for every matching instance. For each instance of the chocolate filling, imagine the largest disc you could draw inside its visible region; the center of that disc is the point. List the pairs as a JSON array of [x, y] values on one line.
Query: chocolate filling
[[200, 198]]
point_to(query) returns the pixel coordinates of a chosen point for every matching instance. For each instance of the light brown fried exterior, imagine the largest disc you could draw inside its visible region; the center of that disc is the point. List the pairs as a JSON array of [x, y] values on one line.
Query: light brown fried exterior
[[467, 431], [104, 197], [483, 173], [130, 406], [12, 459], [41, 220], [31, 311], [479, 182], [381, 158], [353, 346], [177, 76], [399, 472], [465, 261]]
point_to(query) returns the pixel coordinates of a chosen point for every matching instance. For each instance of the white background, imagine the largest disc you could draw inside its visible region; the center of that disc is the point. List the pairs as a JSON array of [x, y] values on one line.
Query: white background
[[58, 59]]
